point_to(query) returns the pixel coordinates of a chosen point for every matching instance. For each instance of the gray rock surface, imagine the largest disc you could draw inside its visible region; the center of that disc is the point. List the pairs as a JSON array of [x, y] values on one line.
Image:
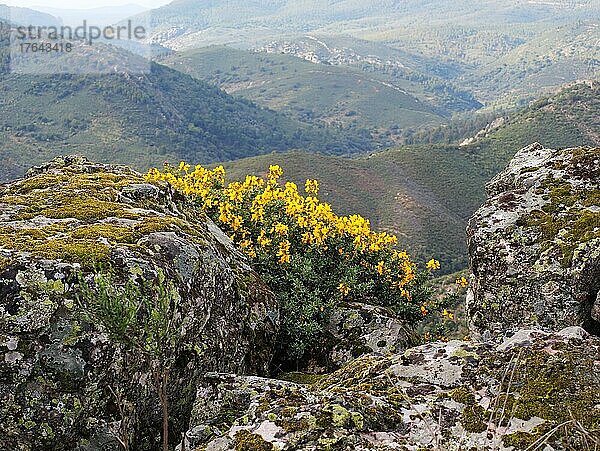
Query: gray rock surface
[[356, 329], [443, 396], [535, 244], [59, 375]]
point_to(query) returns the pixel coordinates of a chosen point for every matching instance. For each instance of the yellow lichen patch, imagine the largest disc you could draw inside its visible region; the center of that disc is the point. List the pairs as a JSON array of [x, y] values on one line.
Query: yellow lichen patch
[[74, 181], [4, 263], [83, 252], [38, 182], [566, 219], [247, 441], [13, 200], [80, 202], [113, 233], [76, 206], [44, 243], [20, 240], [82, 207], [81, 196], [102, 180], [156, 224]]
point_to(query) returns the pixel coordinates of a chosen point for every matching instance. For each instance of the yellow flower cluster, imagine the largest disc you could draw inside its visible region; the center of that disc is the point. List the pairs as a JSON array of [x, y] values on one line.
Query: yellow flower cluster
[[448, 314], [462, 282], [268, 218], [433, 265], [344, 289]]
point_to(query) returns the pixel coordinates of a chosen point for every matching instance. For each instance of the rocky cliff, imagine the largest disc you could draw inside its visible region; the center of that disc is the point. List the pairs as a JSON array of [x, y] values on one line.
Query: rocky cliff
[[63, 385]]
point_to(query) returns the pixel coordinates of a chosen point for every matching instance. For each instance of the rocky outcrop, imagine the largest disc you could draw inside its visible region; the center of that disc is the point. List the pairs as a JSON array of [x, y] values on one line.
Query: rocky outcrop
[[535, 244], [534, 388], [60, 378], [356, 329], [535, 249]]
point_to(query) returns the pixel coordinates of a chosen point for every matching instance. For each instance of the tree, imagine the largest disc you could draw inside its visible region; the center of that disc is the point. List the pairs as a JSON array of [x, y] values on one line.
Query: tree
[[144, 318]]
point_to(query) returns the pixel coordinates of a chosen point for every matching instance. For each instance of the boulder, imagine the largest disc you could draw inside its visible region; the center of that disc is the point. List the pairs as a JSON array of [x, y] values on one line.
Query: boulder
[[63, 384], [535, 244], [534, 388], [356, 329]]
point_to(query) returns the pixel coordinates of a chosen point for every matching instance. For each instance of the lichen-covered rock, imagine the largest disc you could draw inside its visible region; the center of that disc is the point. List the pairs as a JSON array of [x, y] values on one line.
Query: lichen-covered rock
[[62, 383], [356, 329], [535, 244], [447, 396]]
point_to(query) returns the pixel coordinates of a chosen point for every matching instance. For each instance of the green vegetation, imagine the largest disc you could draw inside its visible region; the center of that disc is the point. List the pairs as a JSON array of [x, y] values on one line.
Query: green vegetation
[[379, 19], [313, 259], [543, 63], [422, 193], [358, 95], [144, 318], [377, 92], [502, 52]]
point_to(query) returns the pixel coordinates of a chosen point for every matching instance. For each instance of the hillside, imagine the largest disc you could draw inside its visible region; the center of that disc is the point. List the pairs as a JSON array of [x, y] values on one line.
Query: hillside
[[549, 60], [505, 53], [184, 23], [322, 93], [426, 193], [143, 119], [504, 65], [26, 16]]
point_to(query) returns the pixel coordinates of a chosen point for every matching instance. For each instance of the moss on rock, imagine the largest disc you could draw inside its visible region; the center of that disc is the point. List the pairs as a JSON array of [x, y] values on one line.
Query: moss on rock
[[63, 384], [4, 263], [79, 217], [566, 217], [535, 259], [247, 441], [408, 401]]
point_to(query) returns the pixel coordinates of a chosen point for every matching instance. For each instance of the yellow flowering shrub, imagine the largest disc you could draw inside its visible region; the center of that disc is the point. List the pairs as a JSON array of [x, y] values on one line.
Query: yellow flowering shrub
[[311, 257], [448, 302]]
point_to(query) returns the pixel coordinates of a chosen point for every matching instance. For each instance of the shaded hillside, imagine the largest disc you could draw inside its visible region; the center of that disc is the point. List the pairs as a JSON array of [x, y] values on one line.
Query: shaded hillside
[[561, 54], [426, 193]]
